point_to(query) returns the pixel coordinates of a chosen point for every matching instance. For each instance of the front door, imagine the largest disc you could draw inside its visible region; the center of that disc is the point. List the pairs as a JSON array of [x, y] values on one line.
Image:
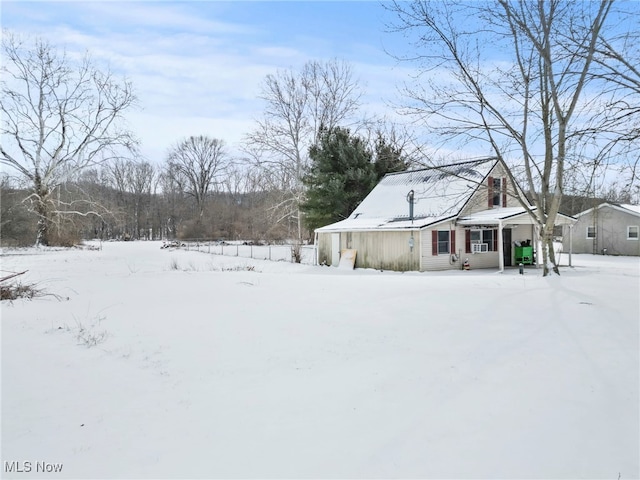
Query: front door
[[506, 246]]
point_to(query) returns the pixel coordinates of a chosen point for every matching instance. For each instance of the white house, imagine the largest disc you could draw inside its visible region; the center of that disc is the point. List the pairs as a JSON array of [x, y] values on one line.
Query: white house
[[436, 219]]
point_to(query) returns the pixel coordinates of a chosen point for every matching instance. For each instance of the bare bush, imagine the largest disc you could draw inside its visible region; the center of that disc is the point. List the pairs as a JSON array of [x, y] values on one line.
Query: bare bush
[[89, 336], [17, 290]]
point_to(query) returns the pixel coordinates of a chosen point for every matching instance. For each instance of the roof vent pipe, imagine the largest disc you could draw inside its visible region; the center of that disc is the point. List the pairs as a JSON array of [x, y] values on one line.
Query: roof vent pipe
[[410, 196]]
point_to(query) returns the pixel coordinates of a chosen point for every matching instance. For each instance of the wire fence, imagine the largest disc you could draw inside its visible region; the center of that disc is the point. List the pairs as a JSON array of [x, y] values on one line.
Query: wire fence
[[275, 253]]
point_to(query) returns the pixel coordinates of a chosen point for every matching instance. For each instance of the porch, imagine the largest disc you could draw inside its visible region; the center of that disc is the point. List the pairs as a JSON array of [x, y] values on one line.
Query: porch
[[518, 233]]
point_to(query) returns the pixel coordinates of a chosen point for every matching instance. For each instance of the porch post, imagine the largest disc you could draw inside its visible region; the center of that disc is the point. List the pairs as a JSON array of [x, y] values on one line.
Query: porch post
[[570, 242], [500, 247], [537, 244]]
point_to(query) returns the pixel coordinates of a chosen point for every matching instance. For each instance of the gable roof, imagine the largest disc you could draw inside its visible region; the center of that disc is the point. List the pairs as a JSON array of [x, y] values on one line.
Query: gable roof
[[622, 207], [440, 193]]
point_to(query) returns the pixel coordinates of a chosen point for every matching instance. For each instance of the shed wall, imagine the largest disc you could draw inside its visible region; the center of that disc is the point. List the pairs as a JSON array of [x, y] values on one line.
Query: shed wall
[[324, 248], [383, 250]]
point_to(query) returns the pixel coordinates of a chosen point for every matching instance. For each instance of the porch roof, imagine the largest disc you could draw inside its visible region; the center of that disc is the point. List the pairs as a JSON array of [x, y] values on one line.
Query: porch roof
[[512, 215]]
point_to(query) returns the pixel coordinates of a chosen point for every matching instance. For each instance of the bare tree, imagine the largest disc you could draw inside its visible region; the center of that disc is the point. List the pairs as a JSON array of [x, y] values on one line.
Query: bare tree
[[297, 105], [134, 181], [58, 117], [615, 128], [197, 163], [527, 97]]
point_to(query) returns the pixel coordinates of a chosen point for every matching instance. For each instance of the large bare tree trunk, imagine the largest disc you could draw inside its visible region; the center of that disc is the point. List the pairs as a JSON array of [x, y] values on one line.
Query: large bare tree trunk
[[58, 118]]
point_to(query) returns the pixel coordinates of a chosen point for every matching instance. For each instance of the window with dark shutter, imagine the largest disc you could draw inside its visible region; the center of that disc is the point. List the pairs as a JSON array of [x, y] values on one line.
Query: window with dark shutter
[[443, 242], [497, 192], [504, 192], [490, 192], [434, 242], [467, 241]]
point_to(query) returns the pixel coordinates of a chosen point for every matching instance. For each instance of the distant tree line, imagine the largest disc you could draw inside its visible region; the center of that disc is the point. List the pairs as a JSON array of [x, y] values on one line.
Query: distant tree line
[[198, 192], [76, 173]]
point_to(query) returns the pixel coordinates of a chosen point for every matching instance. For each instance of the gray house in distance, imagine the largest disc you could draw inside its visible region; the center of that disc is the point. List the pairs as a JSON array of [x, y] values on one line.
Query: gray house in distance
[[436, 219], [609, 228]]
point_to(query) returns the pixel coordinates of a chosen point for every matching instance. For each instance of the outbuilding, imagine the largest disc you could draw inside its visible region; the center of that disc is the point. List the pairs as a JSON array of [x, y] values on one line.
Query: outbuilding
[[609, 228]]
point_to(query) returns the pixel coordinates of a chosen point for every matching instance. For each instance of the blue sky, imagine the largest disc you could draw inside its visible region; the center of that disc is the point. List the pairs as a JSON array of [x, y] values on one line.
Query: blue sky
[[197, 67]]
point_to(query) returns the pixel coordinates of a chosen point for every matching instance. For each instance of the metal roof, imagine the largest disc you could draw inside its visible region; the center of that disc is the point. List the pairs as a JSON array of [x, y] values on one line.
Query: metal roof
[[439, 192]]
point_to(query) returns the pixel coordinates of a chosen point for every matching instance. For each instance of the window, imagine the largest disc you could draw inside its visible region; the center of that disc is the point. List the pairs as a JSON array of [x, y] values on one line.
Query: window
[[497, 192], [632, 232], [591, 232], [557, 232], [443, 241], [481, 241]]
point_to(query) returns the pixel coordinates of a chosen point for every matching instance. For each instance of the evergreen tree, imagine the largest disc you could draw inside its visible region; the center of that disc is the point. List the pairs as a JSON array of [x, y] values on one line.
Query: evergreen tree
[[388, 157], [341, 175]]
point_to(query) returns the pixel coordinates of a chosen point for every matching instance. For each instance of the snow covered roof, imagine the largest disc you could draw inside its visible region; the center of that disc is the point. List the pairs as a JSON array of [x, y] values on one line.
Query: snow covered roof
[[624, 207], [439, 193], [507, 215], [633, 208], [491, 217]]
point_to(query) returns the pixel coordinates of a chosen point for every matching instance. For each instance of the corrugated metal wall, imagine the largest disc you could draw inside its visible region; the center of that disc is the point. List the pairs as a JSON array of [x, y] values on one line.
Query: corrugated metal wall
[[383, 250], [324, 248]]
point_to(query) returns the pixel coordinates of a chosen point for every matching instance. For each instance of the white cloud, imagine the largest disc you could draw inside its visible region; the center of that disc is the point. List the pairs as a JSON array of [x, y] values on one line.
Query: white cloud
[[194, 72]]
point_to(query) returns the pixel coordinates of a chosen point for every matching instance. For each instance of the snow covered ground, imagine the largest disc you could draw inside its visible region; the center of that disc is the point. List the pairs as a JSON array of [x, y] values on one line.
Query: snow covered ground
[[176, 364]]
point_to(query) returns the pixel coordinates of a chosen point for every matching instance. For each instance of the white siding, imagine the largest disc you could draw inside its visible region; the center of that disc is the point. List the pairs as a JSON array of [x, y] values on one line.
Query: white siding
[[431, 262], [480, 201]]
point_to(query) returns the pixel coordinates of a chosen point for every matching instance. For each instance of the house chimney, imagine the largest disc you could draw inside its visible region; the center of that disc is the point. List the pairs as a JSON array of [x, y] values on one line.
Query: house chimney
[[410, 200]]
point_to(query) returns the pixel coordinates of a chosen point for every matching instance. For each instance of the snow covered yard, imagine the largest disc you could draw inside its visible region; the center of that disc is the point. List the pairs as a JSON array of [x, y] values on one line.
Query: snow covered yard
[[176, 364]]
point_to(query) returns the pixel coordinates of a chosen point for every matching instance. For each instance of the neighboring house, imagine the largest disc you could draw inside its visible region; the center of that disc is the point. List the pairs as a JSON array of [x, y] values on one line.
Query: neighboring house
[[612, 229], [435, 219]]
